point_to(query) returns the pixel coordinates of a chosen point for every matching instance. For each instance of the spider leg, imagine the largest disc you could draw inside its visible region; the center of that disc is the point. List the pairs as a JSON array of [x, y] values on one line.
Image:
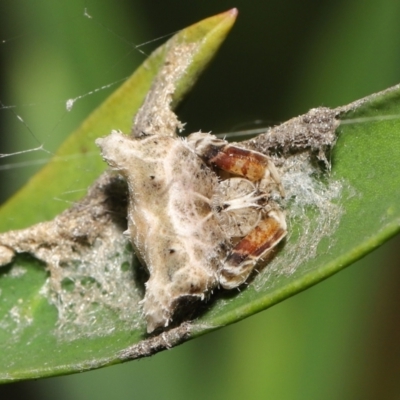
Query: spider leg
[[241, 260]]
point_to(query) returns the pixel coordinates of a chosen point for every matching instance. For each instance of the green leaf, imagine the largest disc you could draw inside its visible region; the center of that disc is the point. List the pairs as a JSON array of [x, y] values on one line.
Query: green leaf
[[365, 213], [29, 345]]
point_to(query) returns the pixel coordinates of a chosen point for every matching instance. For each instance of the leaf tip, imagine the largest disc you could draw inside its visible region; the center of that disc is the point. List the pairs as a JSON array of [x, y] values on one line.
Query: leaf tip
[[228, 16]]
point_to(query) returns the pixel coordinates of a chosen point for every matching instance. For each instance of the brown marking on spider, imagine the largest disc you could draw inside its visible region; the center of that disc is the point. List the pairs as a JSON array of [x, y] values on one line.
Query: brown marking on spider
[[238, 161], [242, 258], [249, 164]]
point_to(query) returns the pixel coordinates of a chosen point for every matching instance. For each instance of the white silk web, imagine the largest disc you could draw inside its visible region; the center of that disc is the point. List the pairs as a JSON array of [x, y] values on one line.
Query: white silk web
[[46, 93], [52, 81]]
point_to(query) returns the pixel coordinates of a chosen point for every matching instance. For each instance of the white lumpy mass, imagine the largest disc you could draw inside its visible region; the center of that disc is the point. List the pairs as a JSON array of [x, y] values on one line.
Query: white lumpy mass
[[170, 220]]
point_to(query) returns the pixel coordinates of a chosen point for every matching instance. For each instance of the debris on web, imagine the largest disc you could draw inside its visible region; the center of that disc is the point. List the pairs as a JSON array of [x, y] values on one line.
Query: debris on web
[[301, 149], [90, 262]]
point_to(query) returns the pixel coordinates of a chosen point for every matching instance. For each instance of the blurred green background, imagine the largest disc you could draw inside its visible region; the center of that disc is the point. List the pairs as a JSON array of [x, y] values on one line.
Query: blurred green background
[[340, 339]]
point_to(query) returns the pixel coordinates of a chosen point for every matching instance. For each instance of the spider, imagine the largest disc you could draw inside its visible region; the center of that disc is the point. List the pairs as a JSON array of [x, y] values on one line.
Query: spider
[[201, 214]]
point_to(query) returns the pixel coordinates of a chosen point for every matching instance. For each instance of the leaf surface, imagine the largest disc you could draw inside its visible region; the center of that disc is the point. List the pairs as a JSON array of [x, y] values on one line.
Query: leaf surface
[[365, 165]]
